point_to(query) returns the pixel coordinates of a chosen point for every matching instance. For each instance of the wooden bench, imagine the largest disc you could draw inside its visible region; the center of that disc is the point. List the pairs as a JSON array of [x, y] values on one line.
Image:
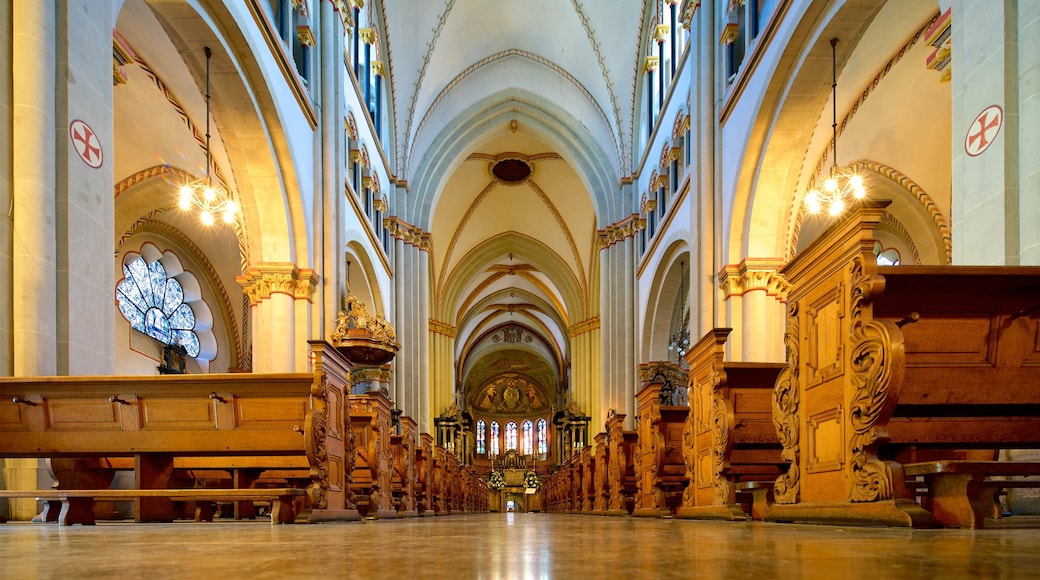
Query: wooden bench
[[372, 476], [76, 506], [660, 469], [730, 445], [962, 494], [621, 473], [887, 359], [153, 420]]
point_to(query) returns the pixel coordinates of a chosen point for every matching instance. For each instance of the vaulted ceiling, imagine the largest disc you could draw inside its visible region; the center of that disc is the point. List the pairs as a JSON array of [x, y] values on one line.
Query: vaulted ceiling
[[548, 83]]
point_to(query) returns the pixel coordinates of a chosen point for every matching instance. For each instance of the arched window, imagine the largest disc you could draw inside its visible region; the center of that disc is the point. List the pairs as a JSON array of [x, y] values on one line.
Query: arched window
[[159, 299], [493, 443], [481, 438], [511, 435], [543, 437], [528, 443]]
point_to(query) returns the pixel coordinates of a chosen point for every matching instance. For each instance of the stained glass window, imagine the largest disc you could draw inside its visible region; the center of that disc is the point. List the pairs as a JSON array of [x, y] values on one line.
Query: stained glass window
[[494, 438], [154, 305], [481, 437], [543, 437], [527, 428], [510, 435]]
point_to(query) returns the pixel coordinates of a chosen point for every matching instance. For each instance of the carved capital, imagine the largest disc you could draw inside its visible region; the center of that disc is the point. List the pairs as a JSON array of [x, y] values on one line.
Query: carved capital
[[620, 231], [368, 35], [260, 282], [650, 64], [754, 274], [672, 373], [661, 32], [408, 233]]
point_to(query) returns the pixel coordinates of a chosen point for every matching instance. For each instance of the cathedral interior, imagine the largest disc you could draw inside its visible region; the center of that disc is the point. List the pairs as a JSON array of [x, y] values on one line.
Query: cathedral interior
[[359, 260]]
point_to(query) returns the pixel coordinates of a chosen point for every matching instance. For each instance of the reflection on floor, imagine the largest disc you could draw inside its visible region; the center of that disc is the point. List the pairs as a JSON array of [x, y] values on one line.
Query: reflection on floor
[[513, 546]]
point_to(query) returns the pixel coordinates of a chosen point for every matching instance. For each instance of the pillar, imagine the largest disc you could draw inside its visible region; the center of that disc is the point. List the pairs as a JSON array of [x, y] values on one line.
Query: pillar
[[996, 113], [278, 293]]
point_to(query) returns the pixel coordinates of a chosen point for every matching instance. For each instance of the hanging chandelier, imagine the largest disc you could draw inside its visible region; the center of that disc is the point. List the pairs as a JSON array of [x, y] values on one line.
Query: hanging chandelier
[[203, 195], [679, 342], [842, 184]]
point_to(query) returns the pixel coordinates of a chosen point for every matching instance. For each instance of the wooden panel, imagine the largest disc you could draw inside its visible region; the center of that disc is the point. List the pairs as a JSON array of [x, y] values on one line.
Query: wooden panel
[[826, 334], [88, 414], [269, 412], [13, 417], [950, 342], [826, 449], [176, 413]]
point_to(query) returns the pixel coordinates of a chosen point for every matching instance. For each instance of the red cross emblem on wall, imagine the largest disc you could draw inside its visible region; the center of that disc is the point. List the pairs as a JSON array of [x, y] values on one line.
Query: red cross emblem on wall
[[86, 143], [983, 130]]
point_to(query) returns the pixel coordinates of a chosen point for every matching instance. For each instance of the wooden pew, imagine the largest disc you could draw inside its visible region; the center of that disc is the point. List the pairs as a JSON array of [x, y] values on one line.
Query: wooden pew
[[729, 443], [424, 475], [659, 465], [621, 475], [601, 486], [154, 420], [587, 496], [404, 476], [883, 359], [372, 474]]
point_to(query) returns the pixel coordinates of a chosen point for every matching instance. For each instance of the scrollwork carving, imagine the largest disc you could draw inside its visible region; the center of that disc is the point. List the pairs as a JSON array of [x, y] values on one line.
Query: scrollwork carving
[[720, 427], [316, 434], [874, 362], [785, 412]]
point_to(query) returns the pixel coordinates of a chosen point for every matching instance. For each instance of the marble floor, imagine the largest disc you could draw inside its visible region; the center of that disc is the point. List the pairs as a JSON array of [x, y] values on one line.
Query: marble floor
[[512, 546]]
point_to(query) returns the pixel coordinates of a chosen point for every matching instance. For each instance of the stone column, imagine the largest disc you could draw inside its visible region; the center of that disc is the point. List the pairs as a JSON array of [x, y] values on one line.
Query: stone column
[[276, 291], [6, 195], [995, 114], [85, 180], [33, 152], [756, 294], [1029, 121], [330, 67], [415, 330]]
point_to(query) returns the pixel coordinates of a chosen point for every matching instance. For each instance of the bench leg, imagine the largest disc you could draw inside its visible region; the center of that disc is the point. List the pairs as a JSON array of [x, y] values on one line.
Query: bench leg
[[77, 510], [205, 510], [761, 497], [153, 471], [956, 502], [51, 510], [282, 510]]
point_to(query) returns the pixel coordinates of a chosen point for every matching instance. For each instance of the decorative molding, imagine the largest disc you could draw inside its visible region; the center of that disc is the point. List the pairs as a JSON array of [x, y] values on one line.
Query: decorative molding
[[939, 35], [263, 280], [619, 231], [584, 326], [122, 55], [754, 274], [407, 233], [443, 328], [650, 64]]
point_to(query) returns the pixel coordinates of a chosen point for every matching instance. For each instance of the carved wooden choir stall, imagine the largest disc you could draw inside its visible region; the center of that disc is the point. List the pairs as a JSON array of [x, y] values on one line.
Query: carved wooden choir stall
[[901, 384]]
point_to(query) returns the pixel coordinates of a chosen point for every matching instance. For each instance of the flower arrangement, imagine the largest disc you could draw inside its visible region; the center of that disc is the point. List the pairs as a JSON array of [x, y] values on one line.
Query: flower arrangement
[[531, 480], [496, 480]]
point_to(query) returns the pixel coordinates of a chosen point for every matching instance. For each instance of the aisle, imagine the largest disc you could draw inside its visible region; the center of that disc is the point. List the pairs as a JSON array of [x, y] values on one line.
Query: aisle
[[511, 546]]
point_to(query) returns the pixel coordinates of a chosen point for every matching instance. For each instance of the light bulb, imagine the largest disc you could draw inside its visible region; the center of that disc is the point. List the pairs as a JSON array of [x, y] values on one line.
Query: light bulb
[[837, 206], [812, 202], [185, 198], [206, 217], [830, 185]]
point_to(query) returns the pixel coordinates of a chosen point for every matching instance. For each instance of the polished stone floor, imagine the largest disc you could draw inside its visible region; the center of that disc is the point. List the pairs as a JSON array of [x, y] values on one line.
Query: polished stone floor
[[512, 546]]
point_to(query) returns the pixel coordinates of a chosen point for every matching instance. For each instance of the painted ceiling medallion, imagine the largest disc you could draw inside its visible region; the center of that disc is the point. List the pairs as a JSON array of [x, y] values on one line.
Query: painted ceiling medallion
[[511, 170]]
